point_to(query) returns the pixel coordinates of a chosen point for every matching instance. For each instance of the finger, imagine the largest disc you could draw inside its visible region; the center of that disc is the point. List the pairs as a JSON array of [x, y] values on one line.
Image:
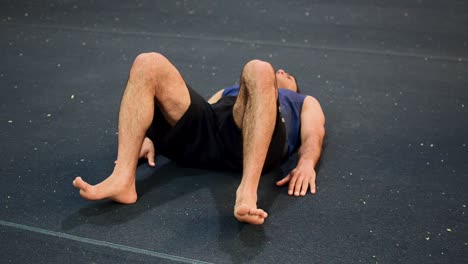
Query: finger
[[298, 186], [142, 153], [304, 187], [143, 150], [151, 158], [313, 186], [284, 180], [292, 184]]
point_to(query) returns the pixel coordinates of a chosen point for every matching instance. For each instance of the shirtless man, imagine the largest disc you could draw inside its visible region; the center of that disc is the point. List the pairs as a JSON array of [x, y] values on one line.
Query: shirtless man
[[250, 128]]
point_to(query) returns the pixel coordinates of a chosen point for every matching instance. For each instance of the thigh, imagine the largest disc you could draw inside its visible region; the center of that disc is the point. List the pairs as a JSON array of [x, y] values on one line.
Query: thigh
[[232, 140], [193, 140], [256, 80], [171, 92]]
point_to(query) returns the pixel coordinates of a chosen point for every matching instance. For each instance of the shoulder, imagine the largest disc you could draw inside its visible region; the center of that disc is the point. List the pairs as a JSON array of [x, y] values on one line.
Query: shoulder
[[312, 109], [231, 91], [310, 100]]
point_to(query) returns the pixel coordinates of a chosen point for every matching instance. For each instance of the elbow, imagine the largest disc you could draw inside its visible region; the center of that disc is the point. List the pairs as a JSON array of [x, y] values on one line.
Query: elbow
[[321, 134]]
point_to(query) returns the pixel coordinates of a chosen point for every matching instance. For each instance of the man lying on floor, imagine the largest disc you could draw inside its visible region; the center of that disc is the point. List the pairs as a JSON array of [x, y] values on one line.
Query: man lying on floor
[[251, 127]]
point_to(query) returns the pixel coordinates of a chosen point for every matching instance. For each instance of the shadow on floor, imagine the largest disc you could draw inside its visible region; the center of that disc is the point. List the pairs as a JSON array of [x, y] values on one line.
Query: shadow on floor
[[156, 187]]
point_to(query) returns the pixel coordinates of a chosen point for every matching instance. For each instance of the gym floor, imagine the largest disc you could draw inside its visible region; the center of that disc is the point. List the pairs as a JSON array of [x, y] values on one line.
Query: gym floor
[[392, 79]]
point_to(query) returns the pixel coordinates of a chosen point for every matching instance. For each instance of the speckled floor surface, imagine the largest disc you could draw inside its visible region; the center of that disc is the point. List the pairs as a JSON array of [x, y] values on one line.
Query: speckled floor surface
[[392, 78]]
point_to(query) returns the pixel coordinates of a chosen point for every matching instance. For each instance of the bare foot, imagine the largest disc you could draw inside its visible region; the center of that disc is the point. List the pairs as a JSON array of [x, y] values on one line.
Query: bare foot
[[112, 188], [246, 210]]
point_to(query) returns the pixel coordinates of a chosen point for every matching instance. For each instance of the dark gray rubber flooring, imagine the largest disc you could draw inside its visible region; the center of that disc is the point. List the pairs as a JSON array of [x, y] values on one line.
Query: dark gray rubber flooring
[[392, 78]]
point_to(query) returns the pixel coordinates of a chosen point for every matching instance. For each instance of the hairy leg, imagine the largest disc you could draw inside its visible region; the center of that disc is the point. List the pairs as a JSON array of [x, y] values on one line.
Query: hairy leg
[[255, 113], [151, 76]]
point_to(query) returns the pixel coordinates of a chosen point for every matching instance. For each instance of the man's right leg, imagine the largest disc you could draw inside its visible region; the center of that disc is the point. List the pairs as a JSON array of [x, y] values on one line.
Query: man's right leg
[[152, 77]]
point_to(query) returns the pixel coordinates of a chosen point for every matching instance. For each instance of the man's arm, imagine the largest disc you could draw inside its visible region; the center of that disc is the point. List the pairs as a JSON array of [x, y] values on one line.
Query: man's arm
[[312, 134], [215, 98]]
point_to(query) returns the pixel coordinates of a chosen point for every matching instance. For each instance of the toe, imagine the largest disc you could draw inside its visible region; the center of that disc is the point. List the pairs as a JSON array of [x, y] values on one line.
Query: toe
[[250, 215], [259, 213], [242, 210], [77, 182], [256, 220], [81, 184]]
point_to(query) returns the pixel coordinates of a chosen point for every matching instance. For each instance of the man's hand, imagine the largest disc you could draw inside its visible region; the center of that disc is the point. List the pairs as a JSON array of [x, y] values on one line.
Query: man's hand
[[147, 151], [300, 179]]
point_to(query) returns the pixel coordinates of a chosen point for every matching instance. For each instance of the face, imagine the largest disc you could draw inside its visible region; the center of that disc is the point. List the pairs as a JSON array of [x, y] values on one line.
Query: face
[[286, 80]]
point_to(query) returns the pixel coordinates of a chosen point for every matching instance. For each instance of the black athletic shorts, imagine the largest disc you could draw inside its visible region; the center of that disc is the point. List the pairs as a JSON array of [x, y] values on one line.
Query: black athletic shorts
[[207, 137]]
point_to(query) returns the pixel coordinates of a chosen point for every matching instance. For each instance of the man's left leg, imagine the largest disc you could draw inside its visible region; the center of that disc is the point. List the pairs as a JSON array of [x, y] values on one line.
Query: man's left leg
[[255, 113]]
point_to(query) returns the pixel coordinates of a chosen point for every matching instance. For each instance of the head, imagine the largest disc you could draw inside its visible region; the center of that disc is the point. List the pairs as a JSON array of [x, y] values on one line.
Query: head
[[287, 81]]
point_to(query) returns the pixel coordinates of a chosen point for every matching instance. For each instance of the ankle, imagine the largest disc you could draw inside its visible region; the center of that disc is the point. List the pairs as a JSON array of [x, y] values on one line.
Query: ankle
[[246, 194], [120, 169]]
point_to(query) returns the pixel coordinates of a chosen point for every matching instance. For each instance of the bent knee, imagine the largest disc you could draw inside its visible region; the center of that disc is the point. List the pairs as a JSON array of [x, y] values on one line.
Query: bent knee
[[258, 67], [259, 75], [149, 61]]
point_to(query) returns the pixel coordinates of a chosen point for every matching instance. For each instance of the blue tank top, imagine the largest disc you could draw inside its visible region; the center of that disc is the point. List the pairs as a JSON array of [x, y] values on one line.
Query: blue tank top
[[291, 107]]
